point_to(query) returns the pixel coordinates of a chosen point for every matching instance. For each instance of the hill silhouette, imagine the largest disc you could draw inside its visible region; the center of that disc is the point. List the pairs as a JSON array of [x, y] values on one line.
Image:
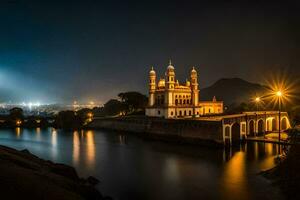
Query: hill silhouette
[[232, 91]]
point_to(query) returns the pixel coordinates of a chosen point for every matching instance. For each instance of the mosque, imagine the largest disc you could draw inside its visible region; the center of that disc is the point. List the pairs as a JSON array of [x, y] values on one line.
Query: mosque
[[169, 99]]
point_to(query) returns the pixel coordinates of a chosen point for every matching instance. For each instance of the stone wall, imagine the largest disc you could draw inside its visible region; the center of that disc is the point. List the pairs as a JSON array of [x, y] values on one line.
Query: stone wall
[[179, 128]]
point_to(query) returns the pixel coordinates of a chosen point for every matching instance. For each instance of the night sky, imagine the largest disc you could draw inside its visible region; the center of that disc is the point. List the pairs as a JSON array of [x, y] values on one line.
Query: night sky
[[92, 50]]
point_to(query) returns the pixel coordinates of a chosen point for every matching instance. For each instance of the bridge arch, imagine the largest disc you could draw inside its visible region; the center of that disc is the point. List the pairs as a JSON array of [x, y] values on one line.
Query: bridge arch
[[227, 131], [235, 132], [274, 124], [251, 127], [260, 126], [284, 123]]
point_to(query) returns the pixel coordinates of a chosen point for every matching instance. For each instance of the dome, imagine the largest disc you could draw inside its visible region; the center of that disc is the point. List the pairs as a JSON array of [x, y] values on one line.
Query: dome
[[152, 72], [193, 70], [161, 83], [187, 83], [170, 66]]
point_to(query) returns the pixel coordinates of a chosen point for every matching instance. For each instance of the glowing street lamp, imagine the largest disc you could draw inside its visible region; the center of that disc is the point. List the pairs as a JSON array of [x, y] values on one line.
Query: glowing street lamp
[[279, 94], [257, 100]]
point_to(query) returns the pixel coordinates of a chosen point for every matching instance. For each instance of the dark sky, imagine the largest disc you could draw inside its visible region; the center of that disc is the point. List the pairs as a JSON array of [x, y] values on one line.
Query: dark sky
[[92, 50]]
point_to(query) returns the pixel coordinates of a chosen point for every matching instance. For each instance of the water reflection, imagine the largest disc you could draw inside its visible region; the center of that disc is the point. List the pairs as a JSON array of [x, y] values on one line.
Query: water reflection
[[18, 132], [84, 143], [151, 169], [90, 145], [54, 142], [122, 139], [76, 148], [234, 177], [171, 170], [38, 133]]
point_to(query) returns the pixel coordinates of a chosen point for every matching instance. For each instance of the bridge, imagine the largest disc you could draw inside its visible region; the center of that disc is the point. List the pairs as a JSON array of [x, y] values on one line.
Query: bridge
[[251, 124]]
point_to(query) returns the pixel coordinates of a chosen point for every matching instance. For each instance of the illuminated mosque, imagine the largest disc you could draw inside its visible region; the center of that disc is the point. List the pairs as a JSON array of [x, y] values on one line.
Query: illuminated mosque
[[169, 99]]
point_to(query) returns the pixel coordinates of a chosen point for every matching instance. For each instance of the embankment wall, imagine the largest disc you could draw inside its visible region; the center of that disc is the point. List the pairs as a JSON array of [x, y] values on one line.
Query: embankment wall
[[185, 129]]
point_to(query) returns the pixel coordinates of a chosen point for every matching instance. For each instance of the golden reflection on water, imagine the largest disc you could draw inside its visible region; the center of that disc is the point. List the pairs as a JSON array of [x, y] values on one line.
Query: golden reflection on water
[[54, 137], [54, 141], [76, 147], [18, 132], [84, 142], [234, 177], [269, 161], [38, 133], [90, 148]]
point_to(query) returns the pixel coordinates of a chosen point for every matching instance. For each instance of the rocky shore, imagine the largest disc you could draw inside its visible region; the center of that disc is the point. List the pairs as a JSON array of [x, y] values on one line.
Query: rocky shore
[[24, 175]]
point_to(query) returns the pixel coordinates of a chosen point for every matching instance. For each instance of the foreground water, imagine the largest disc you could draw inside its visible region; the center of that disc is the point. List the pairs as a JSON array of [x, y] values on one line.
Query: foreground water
[[132, 168]]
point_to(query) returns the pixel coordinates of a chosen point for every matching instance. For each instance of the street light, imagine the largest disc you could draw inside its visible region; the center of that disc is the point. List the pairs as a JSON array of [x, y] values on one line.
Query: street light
[[279, 95], [257, 100]]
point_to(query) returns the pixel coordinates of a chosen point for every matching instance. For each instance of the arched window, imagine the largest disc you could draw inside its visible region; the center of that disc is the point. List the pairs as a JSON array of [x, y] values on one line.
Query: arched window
[[184, 101], [180, 113], [158, 112], [176, 101], [180, 101], [209, 110], [172, 113], [185, 113], [190, 113]]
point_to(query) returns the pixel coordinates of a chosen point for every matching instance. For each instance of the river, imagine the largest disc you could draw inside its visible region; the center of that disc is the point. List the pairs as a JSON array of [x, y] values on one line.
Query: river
[[130, 167]]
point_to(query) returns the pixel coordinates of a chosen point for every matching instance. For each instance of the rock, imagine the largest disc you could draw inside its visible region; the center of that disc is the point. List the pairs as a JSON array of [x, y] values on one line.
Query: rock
[[92, 180], [25, 151], [25, 176], [64, 170]]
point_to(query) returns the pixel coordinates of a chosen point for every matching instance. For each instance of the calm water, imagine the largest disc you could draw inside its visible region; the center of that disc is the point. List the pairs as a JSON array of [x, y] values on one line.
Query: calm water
[[132, 168]]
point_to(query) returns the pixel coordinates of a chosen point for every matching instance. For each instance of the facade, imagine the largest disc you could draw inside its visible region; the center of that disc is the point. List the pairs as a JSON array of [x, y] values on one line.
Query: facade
[[169, 99]]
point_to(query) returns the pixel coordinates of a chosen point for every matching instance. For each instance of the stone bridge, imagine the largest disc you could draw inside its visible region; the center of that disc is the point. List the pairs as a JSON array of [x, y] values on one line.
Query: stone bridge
[[240, 126]]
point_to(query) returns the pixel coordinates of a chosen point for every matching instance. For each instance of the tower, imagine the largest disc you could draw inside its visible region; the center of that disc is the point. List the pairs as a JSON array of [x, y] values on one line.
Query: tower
[[194, 87], [170, 84], [152, 87]]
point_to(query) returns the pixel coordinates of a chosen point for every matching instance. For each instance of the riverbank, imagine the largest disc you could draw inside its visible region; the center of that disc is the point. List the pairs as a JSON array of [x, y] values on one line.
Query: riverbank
[[24, 175], [180, 130], [287, 173]]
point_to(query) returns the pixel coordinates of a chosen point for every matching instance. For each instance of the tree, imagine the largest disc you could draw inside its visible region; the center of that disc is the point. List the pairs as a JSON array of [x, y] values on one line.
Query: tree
[[84, 114], [16, 113], [133, 101], [68, 120], [113, 107]]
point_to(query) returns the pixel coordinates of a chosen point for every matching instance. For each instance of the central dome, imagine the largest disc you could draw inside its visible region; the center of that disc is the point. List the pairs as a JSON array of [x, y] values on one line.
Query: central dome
[[170, 65]]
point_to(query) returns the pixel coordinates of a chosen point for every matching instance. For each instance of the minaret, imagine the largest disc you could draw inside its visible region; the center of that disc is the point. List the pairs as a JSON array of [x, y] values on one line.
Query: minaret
[[194, 87], [170, 84], [152, 87]]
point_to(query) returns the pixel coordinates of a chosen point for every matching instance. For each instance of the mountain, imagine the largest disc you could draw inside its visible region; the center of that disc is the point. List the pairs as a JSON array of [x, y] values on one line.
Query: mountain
[[232, 91]]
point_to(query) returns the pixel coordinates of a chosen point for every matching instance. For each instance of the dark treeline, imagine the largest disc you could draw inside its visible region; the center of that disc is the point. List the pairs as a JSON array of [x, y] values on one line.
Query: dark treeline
[[16, 118], [128, 103]]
